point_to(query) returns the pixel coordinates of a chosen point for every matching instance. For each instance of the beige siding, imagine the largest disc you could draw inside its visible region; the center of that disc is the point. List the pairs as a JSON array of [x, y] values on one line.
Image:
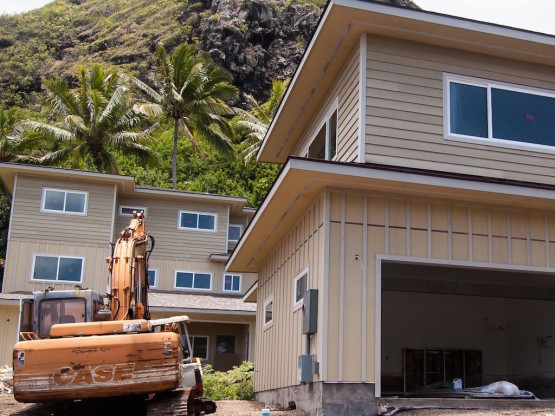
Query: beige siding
[[279, 345], [9, 319], [171, 242], [28, 222], [404, 110], [346, 92], [413, 230], [19, 264], [166, 268]]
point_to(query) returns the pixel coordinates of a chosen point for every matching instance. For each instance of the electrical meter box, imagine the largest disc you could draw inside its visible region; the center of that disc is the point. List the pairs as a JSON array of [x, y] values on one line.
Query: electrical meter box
[[310, 311]]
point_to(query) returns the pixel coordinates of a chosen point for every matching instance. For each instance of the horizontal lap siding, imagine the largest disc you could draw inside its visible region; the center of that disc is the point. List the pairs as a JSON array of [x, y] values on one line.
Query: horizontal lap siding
[[413, 229], [172, 243], [404, 112], [166, 273], [346, 91], [28, 222], [278, 347], [17, 275]]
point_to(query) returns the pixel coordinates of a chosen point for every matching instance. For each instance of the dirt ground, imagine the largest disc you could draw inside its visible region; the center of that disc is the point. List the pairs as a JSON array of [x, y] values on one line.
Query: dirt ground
[[9, 407]]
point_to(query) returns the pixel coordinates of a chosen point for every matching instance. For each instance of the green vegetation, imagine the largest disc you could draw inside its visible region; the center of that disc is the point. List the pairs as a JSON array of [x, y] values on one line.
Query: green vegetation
[[97, 121], [256, 122], [191, 92], [234, 384]]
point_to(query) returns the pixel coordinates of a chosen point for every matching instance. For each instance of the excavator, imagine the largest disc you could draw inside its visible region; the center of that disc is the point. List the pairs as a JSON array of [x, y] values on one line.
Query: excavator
[[85, 345]]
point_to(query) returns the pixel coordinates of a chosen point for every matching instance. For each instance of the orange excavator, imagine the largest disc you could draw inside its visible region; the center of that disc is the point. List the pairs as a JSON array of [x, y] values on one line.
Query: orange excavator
[[86, 346]]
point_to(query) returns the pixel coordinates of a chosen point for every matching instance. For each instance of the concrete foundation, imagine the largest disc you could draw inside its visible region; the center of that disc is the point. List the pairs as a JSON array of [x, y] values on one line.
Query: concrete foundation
[[325, 399]]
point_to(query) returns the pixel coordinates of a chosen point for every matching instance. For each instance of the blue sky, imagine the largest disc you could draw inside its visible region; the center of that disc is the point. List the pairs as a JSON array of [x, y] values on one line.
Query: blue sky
[[534, 15]]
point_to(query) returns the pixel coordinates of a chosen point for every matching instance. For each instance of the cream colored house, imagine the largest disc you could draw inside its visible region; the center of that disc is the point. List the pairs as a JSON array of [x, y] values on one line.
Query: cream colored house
[[62, 222], [417, 197]]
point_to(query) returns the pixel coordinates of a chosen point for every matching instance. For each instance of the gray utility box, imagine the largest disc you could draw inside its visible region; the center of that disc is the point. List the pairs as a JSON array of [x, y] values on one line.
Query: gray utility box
[[307, 367], [310, 311]]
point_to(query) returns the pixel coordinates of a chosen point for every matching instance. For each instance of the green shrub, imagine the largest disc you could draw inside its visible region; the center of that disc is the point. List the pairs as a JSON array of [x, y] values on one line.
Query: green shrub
[[235, 384]]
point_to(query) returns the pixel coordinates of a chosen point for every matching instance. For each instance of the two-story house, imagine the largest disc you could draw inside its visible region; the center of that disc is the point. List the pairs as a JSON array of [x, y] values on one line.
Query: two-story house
[[417, 197], [62, 223]]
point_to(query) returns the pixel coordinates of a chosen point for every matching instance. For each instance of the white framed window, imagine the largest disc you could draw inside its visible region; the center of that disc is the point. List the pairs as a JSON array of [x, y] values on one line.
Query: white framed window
[[498, 114], [59, 269], [234, 232], [200, 221], [199, 345], [127, 210], [232, 282], [62, 201], [153, 278], [324, 143], [268, 312], [193, 280], [300, 285]]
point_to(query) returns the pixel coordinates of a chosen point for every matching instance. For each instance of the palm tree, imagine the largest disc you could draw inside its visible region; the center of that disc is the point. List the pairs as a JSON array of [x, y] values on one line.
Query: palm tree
[[97, 119], [9, 120], [191, 91], [257, 120]]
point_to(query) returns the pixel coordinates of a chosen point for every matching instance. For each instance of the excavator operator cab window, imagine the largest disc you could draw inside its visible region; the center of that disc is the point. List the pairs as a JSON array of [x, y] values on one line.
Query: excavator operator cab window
[[59, 311]]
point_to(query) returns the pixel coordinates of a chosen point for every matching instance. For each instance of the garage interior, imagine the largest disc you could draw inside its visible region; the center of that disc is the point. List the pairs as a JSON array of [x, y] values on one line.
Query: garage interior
[[441, 323]]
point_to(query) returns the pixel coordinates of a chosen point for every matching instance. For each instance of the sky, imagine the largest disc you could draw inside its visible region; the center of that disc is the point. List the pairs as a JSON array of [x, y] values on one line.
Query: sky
[[536, 15]]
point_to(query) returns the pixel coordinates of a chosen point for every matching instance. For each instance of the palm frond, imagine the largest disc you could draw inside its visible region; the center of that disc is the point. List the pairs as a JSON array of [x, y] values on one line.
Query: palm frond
[[49, 131]]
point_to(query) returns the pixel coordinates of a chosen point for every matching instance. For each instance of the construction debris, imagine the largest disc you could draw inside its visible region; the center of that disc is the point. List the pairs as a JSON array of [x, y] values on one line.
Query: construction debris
[[6, 380]]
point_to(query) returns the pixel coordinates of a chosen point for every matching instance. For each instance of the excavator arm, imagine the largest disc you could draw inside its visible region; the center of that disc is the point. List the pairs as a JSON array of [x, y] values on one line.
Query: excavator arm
[[128, 272]]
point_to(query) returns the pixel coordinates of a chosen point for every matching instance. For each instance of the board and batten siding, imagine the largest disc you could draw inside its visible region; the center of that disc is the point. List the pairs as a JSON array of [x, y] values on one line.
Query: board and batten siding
[[9, 322], [173, 243], [346, 92], [376, 226], [404, 110], [29, 223], [165, 269], [278, 346], [19, 264]]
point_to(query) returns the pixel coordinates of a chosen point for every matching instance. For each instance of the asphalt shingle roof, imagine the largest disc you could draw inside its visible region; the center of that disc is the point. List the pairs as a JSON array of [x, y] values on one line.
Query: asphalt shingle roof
[[188, 301]]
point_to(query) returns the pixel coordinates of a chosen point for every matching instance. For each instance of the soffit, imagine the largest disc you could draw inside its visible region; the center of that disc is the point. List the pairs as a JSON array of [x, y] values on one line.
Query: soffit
[[301, 181], [338, 35]]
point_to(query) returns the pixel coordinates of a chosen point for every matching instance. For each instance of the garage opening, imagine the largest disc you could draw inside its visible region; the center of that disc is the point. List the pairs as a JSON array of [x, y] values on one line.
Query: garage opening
[[473, 325]]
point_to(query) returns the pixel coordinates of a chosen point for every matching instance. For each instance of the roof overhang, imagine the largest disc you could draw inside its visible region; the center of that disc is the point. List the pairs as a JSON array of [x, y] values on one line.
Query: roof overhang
[[126, 185], [250, 295], [339, 32], [8, 171], [301, 181]]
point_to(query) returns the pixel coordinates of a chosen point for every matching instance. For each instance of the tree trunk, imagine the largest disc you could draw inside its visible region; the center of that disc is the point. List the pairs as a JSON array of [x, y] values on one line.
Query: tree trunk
[[174, 155]]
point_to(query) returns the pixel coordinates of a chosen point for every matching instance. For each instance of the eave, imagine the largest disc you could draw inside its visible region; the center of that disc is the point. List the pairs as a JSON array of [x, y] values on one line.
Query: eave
[[338, 33], [302, 181]]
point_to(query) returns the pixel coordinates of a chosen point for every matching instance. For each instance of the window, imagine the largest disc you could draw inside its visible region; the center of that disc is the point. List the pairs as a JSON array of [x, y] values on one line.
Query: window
[[324, 144], [201, 221], [57, 268], [232, 283], [268, 312], [193, 280], [499, 114], [152, 280], [225, 344], [300, 287], [127, 210], [199, 344], [66, 202], [234, 233], [60, 311]]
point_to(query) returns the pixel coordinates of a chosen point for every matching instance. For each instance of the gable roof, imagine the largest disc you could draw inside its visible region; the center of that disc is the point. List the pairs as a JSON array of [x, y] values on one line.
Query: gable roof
[[338, 34]]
